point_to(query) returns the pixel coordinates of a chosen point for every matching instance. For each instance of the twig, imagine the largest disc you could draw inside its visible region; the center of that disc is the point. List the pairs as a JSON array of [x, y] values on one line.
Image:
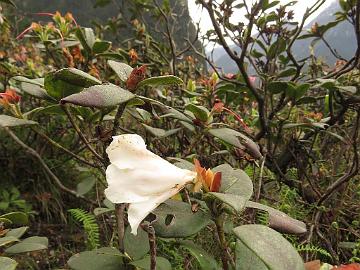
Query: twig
[[152, 243], [56, 180], [120, 215], [118, 115], [81, 135], [44, 136]]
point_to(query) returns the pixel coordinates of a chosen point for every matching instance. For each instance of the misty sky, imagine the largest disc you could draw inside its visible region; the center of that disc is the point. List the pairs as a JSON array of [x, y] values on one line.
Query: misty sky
[[205, 24]]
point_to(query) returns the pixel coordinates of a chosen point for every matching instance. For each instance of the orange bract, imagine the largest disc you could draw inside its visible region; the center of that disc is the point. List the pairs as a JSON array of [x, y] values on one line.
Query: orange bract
[[209, 180], [9, 97], [136, 76]]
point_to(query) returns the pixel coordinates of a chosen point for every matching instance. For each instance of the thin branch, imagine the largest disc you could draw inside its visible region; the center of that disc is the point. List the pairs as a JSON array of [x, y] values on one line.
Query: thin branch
[[81, 135], [56, 180]]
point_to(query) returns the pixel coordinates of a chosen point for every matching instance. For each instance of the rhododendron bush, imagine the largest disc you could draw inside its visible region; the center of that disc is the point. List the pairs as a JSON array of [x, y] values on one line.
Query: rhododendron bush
[[141, 153]]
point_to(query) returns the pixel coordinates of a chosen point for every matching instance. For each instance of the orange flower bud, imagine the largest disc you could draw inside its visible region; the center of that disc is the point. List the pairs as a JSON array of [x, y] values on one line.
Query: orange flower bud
[[133, 56], [9, 97], [36, 27], [69, 17], [210, 181]]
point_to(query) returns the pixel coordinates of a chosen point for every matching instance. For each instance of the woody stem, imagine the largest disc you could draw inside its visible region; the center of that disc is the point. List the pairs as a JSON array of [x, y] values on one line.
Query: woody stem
[[120, 215]]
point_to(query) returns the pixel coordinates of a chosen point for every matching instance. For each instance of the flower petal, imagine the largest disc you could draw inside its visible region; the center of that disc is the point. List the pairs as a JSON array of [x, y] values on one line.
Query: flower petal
[[141, 178], [138, 211]]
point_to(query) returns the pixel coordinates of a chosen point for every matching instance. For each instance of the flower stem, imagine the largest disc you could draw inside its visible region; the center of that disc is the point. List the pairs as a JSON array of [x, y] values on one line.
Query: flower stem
[[152, 242], [219, 222], [120, 215]]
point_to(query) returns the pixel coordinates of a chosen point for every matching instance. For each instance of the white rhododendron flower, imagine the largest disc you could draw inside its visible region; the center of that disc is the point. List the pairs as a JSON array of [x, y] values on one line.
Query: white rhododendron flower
[[141, 178]]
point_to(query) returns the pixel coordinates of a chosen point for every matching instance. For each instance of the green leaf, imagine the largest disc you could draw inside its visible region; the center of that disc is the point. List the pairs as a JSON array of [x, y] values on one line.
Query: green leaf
[[7, 263], [313, 125], [160, 81], [279, 220], [277, 87], [17, 232], [86, 37], [247, 259], [38, 81], [161, 133], [68, 81], [329, 84], [205, 260], [269, 246], [276, 48], [347, 89], [176, 220], [237, 202], [85, 185], [7, 240], [234, 181], [161, 263], [237, 139], [9, 121], [136, 246], [106, 95], [200, 112], [35, 90], [266, 5], [105, 258], [29, 244], [17, 218], [287, 73], [5, 221], [296, 92], [101, 46], [173, 113], [122, 70], [76, 77]]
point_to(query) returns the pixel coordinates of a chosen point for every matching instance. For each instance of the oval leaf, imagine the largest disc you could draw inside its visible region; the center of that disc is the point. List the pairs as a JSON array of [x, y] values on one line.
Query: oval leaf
[[29, 244], [67, 81], [35, 90], [136, 246], [161, 80], [103, 258], [9, 121], [279, 220], [7, 240], [161, 263], [204, 259], [199, 112], [235, 182], [100, 96], [270, 247], [17, 218], [7, 263], [122, 70], [175, 219]]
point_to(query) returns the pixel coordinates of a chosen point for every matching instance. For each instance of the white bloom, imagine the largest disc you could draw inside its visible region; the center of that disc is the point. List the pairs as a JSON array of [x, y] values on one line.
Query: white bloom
[[141, 178]]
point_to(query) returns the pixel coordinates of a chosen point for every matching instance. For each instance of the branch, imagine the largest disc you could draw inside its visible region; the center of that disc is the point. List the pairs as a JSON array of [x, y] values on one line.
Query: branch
[[81, 135], [56, 180]]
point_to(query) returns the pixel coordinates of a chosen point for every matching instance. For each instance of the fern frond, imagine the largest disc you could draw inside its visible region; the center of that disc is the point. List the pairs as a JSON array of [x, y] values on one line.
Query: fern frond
[[313, 249], [90, 226], [262, 217]]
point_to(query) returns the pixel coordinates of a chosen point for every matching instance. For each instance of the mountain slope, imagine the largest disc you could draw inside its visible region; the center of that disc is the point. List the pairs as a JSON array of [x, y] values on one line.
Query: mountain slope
[[341, 37]]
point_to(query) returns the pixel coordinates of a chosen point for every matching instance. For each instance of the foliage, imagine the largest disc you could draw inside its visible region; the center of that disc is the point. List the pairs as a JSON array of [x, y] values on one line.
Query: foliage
[[90, 226], [276, 144]]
